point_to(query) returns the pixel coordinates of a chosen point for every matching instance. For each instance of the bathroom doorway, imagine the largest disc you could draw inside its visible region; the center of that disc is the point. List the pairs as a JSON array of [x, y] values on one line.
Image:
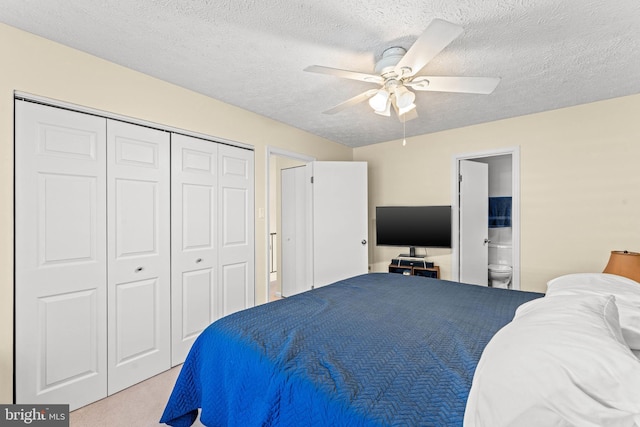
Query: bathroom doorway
[[501, 239]]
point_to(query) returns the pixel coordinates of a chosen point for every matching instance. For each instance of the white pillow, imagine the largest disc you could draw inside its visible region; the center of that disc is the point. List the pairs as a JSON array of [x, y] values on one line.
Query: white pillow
[[562, 361], [626, 291]]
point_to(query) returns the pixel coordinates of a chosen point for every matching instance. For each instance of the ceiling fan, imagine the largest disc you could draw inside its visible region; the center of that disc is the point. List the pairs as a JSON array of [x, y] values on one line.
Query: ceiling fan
[[396, 74]]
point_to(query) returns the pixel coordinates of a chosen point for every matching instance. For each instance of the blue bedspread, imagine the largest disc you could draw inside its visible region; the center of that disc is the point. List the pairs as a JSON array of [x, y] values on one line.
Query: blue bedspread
[[374, 350]]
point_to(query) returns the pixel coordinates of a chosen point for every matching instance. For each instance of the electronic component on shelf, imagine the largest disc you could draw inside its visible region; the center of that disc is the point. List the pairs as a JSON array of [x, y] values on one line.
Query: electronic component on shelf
[[408, 262]]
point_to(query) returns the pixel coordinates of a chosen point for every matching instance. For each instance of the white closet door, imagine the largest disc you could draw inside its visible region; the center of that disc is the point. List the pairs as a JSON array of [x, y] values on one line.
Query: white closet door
[[138, 206], [194, 258], [60, 256], [236, 229]]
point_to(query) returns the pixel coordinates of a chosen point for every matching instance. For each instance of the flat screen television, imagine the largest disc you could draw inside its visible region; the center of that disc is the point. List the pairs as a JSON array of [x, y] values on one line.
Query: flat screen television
[[413, 226]]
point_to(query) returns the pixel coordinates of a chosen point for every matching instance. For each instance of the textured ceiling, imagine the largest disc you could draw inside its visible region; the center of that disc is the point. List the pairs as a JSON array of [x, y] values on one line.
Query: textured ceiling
[[548, 53]]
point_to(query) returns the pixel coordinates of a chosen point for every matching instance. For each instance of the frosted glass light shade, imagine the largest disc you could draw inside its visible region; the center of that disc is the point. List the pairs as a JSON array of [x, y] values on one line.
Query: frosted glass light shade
[[406, 109], [379, 101], [404, 97], [386, 111]]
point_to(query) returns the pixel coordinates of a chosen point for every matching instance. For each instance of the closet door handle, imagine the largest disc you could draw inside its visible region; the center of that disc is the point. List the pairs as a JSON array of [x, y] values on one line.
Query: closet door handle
[[139, 269]]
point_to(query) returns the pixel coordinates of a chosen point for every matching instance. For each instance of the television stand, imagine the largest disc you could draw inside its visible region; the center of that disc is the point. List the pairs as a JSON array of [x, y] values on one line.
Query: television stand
[[412, 253], [414, 268]]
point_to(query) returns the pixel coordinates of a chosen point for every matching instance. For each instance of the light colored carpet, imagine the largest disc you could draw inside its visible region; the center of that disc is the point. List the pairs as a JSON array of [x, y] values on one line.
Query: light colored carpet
[[140, 405]]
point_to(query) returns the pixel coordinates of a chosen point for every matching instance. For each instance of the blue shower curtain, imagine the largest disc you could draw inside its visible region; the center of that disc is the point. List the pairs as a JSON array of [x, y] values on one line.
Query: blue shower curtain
[[499, 212]]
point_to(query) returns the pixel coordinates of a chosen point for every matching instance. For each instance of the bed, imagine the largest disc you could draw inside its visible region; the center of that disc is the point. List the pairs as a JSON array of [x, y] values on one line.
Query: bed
[[571, 358], [372, 350]]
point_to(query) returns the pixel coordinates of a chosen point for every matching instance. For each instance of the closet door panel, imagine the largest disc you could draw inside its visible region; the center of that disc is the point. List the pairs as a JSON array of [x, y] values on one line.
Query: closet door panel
[[138, 170], [136, 314], [66, 218], [194, 254], [137, 218], [197, 298], [60, 256], [236, 292], [68, 321], [198, 216], [236, 228]]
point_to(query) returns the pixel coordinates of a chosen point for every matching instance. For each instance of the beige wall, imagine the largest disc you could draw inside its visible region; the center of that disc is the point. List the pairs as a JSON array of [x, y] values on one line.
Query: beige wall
[[34, 65], [580, 189]]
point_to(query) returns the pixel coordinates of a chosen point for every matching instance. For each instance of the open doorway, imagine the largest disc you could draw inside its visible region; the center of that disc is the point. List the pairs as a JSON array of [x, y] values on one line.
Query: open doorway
[[501, 239], [277, 159]]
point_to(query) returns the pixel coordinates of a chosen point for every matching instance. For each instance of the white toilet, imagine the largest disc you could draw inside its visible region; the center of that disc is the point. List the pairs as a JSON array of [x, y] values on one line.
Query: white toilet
[[500, 270]]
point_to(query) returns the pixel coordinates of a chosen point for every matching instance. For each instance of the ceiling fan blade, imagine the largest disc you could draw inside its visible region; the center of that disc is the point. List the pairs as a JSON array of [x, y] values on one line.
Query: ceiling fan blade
[[352, 101], [479, 85], [346, 74], [436, 37]]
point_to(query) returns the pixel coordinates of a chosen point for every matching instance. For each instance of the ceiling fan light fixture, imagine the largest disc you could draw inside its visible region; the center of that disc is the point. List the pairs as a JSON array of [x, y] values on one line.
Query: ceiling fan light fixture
[[404, 110], [379, 101], [396, 71], [387, 111], [404, 97]]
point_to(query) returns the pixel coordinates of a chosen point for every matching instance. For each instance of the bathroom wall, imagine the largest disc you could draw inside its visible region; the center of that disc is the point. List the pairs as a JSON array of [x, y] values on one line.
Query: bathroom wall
[[500, 170], [500, 185]]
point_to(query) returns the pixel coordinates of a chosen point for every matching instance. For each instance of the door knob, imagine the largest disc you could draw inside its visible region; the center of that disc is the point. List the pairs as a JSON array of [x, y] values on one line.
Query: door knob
[[199, 260], [364, 242], [487, 241], [139, 269]]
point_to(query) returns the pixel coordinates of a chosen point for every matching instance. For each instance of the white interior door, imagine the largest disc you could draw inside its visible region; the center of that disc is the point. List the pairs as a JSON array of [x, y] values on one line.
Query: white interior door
[[194, 257], [60, 256], [474, 222], [138, 253], [235, 229], [294, 231], [339, 220]]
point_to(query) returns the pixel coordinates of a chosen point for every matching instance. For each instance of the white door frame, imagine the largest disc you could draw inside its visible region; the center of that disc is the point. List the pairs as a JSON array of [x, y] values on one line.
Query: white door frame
[[515, 208], [284, 153]]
